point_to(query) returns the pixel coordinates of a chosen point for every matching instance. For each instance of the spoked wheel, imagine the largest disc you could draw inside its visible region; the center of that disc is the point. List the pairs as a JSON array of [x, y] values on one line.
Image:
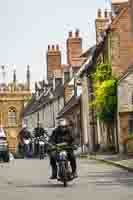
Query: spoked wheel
[[64, 175], [41, 156], [65, 183], [41, 153]]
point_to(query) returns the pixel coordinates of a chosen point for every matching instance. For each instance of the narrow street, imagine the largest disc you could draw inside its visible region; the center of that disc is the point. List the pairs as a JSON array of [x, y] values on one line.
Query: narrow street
[[28, 179]]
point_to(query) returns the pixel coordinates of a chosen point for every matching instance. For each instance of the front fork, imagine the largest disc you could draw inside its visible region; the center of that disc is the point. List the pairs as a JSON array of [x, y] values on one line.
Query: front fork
[[60, 167]]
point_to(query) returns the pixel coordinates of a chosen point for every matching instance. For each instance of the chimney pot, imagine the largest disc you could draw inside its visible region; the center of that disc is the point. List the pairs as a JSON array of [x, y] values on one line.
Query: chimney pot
[[53, 47], [77, 33], [105, 13], [48, 47], [70, 34], [57, 47], [99, 13]]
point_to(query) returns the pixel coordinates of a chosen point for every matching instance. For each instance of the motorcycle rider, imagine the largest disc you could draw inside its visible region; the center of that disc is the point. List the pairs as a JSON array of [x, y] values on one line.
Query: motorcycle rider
[[38, 132], [62, 134], [24, 134]]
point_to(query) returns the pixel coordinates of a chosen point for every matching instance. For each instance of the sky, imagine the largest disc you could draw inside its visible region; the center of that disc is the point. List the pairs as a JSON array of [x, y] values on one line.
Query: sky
[[28, 26]]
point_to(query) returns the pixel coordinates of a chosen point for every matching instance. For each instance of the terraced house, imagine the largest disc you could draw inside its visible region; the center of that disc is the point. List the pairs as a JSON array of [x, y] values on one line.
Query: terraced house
[[51, 98]]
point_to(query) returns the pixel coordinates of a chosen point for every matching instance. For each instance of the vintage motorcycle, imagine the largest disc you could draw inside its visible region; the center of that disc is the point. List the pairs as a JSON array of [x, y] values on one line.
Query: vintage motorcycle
[[27, 147], [64, 173], [42, 147]]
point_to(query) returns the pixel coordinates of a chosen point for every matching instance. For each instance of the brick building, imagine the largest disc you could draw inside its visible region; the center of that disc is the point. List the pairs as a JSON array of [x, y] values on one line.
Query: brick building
[[125, 111], [122, 42], [119, 48]]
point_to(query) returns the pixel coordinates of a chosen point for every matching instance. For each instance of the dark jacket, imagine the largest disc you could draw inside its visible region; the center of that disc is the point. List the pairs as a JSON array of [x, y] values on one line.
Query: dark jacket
[[24, 134], [60, 136], [39, 131]]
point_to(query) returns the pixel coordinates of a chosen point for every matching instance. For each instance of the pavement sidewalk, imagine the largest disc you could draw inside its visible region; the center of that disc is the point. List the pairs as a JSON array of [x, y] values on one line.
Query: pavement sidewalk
[[122, 161]]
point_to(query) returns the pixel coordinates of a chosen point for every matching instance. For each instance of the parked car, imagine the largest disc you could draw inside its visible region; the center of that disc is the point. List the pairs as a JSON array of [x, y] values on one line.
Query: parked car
[[4, 150]]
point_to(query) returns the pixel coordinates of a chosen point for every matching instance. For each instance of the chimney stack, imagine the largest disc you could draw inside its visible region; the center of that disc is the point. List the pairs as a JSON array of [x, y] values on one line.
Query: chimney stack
[[74, 48], [101, 22], [53, 60]]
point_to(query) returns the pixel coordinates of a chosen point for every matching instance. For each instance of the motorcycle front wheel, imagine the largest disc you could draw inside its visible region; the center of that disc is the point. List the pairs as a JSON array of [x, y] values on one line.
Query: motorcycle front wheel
[[64, 174]]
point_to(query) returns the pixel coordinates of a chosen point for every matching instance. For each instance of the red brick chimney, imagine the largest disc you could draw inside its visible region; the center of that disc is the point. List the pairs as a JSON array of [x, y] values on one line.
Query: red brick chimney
[[74, 47], [53, 60], [101, 22]]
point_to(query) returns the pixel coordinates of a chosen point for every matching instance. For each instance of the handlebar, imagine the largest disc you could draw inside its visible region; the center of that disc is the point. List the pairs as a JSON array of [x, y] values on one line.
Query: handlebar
[[61, 146]]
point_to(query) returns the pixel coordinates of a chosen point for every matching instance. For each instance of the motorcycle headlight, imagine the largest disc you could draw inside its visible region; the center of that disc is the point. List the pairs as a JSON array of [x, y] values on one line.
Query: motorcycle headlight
[[41, 142], [63, 155]]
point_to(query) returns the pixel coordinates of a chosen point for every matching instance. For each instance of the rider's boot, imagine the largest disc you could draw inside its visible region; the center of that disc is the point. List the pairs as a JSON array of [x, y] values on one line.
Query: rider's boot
[[74, 174], [54, 173]]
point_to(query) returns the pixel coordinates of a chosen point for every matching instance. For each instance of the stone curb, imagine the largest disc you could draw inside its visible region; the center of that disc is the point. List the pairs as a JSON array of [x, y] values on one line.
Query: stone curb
[[130, 169]]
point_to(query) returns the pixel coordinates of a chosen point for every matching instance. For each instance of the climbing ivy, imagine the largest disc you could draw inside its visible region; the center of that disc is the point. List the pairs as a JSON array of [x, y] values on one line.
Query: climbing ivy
[[103, 72], [105, 92]]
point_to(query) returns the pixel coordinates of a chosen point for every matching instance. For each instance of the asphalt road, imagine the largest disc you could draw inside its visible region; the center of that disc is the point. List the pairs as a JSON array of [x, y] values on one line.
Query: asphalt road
[[29, 180]]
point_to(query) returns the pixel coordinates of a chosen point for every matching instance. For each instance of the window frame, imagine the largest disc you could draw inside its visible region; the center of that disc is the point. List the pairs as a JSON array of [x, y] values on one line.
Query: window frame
[[12, 117], [130, 123]]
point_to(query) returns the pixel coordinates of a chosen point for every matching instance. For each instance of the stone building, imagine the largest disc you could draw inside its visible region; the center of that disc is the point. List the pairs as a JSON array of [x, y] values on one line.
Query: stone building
[[13, 97]]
